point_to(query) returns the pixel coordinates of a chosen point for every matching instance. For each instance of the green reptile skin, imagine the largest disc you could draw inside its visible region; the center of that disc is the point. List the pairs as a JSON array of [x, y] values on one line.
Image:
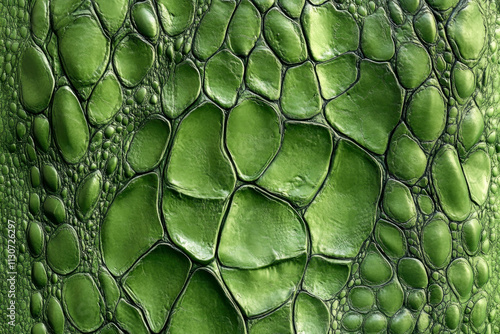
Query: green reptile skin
[[249, 166]]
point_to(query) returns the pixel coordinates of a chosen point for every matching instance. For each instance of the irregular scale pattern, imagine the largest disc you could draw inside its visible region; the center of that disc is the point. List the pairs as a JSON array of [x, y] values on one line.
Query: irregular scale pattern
[[250, 166]]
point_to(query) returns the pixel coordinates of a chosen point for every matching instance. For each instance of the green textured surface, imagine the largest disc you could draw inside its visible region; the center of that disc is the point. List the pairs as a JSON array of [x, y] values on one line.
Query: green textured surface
[[249, 166]]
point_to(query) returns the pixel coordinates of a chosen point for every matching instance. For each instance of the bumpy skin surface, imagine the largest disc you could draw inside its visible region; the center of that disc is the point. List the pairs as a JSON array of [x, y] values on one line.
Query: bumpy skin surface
[[253, 166]]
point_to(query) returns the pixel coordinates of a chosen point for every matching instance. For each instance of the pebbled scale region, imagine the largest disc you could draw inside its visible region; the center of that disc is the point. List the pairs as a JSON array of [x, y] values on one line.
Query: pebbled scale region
[[250, 166]]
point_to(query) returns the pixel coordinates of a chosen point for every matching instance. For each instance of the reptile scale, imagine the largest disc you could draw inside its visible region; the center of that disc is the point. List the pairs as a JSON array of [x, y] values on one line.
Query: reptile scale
[[249, 166]]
